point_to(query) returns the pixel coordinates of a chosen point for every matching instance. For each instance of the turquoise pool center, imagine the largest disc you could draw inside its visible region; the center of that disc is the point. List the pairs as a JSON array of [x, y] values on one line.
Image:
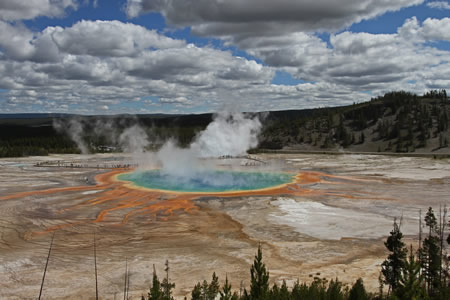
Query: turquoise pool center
[[215, 181]]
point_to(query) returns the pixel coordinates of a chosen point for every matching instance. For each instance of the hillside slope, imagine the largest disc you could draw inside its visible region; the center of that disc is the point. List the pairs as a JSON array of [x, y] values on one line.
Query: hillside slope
[[396, 122]]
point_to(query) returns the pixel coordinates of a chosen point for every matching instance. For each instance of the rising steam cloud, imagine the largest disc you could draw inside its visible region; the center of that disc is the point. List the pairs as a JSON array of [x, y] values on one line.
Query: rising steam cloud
[[74, 129], [134, 140], [229, 134]]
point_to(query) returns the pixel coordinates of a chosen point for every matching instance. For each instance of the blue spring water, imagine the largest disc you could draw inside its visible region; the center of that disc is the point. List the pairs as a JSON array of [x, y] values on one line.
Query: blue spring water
[[208, 181]]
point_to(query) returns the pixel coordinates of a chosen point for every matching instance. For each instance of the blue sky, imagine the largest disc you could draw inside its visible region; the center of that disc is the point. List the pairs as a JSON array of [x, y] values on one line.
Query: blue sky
[[193, 56]]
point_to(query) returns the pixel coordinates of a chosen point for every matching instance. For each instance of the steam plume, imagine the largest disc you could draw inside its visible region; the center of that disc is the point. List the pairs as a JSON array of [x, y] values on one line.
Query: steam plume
[[228, 134], [134, 140], [74, 128]]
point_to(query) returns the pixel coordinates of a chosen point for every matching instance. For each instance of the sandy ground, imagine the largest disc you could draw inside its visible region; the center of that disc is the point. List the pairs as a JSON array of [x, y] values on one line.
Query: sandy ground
[[331, 222]]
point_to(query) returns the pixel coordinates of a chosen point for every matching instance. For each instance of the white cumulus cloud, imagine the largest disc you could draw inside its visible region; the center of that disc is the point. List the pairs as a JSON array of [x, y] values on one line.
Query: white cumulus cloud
[[439, 4], [11, 10], [92, 66]]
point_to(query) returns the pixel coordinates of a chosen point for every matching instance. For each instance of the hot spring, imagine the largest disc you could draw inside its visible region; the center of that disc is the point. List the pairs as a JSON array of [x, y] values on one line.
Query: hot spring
[[217, 181]]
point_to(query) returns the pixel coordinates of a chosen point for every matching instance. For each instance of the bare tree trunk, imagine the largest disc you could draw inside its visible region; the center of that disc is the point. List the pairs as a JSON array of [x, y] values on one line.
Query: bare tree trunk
[[167, 280], [442, 216], [46, 265], [240, 289], [429, 265], [126, 279], [128, 282], [95, 264], [420, 229]]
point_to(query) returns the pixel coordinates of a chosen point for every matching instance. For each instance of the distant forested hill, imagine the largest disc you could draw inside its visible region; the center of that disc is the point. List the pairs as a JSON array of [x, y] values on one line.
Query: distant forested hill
[[395, 122]]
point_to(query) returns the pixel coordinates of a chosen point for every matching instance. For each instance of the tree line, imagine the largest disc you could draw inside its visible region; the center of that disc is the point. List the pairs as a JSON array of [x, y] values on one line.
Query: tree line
[[405, 120]]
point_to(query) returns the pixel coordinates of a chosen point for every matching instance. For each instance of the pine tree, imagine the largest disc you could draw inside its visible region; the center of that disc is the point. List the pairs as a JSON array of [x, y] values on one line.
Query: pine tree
[[208, 291], [412, 284], [358, 291], [166, 286], [317, 289], [259, 286], [393, 265], [156, 292], [334, 290], [448, 238], [196, 293], [167, 289], [205, 288], [225, 293], [299, 291], [280, 293], [441, 231], [284, 291], [380, 286], [214, 287], [430, 254], [274, 293]]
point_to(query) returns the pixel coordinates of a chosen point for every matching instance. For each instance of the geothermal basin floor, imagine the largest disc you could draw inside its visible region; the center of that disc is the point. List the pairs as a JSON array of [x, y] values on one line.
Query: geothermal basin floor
[[331, 222]]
